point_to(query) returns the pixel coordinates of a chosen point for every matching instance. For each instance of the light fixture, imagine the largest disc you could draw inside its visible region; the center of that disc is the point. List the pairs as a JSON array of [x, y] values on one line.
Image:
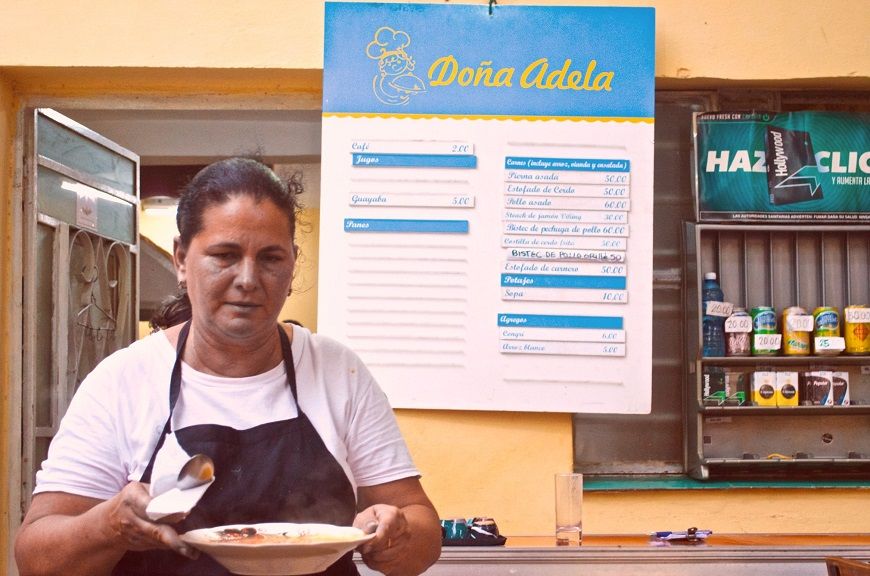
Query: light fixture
[[160, 205]]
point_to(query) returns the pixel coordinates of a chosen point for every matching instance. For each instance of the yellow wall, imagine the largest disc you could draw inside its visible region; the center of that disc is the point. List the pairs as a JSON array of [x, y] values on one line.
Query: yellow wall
[[474, 463], [741, 39]]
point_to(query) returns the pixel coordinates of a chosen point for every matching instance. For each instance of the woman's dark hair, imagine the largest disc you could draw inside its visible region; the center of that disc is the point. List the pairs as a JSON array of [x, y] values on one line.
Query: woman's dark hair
[[215, 184]]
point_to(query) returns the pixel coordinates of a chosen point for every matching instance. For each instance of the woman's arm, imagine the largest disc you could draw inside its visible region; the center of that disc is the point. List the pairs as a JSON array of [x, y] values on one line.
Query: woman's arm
[[68, 534], [408, 533]]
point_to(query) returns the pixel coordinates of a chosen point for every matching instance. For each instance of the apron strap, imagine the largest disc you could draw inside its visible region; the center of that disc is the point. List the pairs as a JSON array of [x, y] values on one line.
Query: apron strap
[[175, 380], [287, 352], [174, 391]]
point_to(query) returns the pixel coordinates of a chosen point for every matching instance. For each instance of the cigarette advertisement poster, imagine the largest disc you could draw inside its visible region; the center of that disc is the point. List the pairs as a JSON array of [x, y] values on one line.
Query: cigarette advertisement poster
[[486, 203], [786, 167]]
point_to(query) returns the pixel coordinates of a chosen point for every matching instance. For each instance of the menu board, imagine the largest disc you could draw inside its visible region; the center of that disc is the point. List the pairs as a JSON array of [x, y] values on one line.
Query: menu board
[[487, 201]]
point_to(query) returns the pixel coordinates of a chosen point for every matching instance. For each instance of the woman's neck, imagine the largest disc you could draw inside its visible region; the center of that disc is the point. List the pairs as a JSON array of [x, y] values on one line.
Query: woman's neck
[[205, 353]]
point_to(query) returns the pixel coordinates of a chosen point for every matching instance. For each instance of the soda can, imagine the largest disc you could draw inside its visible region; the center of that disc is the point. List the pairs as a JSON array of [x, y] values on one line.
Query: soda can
[[738, 343], [763, 322], [857, 333], [826, 323], [794, 343]]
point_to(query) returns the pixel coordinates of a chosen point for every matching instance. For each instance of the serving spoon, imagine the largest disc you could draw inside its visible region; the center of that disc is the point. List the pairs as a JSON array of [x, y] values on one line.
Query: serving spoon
[[195, 472]]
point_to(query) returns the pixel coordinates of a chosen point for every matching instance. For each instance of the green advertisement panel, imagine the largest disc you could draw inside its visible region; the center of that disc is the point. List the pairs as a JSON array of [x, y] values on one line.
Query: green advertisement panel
[[783, 167]]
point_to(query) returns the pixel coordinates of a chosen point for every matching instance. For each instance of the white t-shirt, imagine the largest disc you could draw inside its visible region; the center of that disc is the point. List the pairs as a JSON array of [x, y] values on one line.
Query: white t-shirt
[[107, 436]]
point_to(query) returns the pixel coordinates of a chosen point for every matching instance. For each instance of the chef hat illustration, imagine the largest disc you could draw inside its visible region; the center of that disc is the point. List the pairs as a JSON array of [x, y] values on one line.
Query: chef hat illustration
[[387, 42]]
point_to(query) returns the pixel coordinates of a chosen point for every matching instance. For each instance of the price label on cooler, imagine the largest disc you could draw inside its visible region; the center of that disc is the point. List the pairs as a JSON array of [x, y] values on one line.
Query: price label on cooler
[[830, 344], [739, 324], [719, 308], [767, 341], [800, 323], [854, 315]]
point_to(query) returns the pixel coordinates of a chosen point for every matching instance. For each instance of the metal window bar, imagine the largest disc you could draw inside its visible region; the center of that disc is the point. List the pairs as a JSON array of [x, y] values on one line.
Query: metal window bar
[[827, 261], [795, 266], [847, 289], [770, 286]]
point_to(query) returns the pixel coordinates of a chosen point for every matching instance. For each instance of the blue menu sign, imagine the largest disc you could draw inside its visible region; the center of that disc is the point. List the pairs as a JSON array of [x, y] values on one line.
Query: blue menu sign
[[486, 203]]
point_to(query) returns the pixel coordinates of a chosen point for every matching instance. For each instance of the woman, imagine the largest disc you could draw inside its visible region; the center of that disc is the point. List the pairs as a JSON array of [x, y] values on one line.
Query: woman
[[297, 427]]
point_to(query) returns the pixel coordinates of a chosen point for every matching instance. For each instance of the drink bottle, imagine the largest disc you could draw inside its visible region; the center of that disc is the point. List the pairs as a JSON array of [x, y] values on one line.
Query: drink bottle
[[713, 326]]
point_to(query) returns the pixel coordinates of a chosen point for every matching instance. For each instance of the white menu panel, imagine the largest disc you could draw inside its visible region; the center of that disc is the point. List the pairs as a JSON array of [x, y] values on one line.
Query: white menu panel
[[489, 262]]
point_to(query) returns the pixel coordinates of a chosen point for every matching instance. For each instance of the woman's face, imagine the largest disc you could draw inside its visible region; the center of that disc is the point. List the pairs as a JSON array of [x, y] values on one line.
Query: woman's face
[[238, 268]]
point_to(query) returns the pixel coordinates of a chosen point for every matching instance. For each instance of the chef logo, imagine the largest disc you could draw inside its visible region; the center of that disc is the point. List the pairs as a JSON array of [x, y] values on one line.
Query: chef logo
[[395, 81]]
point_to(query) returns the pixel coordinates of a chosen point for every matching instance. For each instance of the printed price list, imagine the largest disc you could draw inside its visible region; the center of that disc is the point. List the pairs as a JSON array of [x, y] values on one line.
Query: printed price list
[[406, 225], [565, 233]]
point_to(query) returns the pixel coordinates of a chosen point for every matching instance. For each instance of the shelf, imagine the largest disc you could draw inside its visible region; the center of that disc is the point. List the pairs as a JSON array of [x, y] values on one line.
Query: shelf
[[637, 483], [806, 469], [841, 360], [785, 228], [784, 410], [777, 462]]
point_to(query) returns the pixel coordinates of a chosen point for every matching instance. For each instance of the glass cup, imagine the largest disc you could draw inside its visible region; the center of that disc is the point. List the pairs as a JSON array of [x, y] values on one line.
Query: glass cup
[[569, 509]]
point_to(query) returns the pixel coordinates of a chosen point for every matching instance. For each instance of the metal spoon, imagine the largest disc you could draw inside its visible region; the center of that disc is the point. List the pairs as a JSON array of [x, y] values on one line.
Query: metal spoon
[[195, 472]]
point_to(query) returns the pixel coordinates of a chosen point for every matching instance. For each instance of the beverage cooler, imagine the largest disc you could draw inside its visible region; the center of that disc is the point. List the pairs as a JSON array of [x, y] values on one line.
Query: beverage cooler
[[796, 403]]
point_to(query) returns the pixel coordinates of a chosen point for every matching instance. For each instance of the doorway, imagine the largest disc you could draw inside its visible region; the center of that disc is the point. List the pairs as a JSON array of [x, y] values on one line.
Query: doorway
[[289, 140], [173, 144]]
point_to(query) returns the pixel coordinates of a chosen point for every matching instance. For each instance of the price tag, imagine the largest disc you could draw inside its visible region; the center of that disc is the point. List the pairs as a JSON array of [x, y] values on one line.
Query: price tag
[[831, 343], [857, 315], [739, 324], [802, 323], [719, 308], [767, 341]]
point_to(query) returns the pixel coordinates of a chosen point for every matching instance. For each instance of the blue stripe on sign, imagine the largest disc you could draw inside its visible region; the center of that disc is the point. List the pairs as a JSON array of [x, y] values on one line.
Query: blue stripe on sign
[[553, 281], [414, 160], [420, 226], [547, 321], [575, 164]]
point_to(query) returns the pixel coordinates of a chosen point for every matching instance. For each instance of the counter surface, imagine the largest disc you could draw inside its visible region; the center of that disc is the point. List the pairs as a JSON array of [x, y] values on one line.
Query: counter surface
[[731, 554], [714, 541]]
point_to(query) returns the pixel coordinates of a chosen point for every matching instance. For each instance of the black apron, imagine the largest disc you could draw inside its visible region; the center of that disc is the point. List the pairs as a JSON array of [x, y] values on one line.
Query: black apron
[[275, 472]]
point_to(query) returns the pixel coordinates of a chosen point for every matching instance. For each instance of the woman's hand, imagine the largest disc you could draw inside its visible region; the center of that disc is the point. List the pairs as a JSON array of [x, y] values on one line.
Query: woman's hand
[[407, 531], [128, 523], [389, 546], [76, 535]]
